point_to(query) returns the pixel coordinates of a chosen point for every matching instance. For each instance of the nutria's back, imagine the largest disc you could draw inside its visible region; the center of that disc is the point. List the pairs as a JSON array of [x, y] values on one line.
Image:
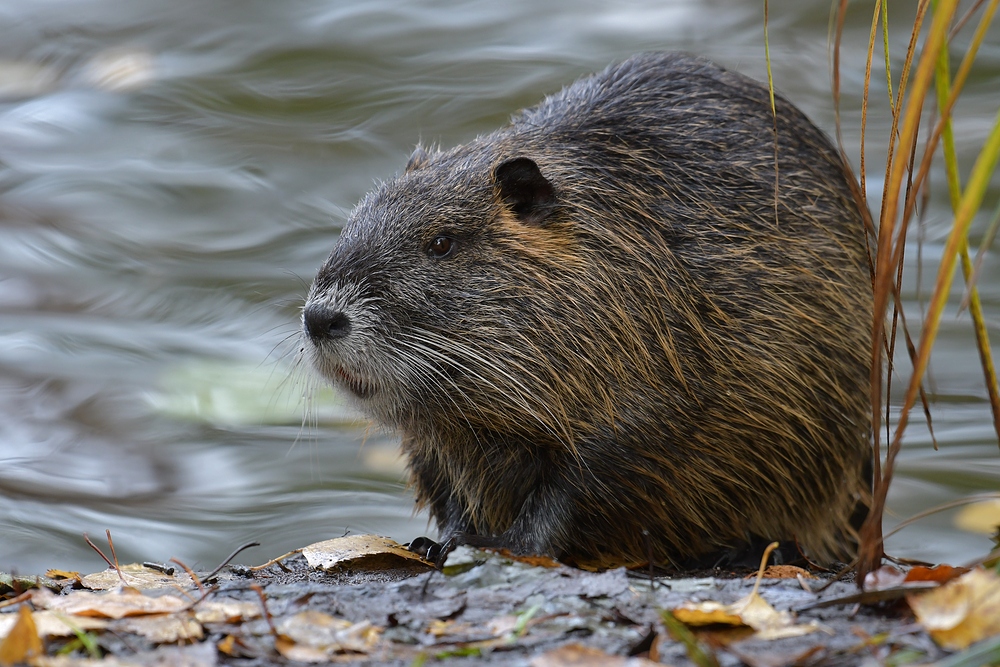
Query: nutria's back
[[598, 335]]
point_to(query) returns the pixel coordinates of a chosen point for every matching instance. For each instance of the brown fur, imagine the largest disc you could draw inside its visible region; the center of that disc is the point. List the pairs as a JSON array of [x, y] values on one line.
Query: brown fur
[[625, 352]]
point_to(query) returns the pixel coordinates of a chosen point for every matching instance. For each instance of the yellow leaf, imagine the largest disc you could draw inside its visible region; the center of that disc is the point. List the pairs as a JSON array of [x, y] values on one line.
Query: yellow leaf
[[752, 611], [961, 612], [22, 642], [707, 613]]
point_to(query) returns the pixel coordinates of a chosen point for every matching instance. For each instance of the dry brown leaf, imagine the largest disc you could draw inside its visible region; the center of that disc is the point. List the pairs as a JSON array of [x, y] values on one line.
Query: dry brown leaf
[[962, 611], [22, 642], [939, 573], [578, 655], [109, 605], [162, 628], [62, 574], [312, 636], [136, 576], [362, 552]]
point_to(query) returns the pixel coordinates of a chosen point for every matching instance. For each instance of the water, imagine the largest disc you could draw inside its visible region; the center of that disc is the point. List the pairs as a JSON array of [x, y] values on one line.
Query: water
[[171, 176]]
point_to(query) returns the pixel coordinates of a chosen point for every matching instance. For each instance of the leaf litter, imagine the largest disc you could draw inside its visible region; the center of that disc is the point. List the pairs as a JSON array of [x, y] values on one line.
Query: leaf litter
[[367, 600]]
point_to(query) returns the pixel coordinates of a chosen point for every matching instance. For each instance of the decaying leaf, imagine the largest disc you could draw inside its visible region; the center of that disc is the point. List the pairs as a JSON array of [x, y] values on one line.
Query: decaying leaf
[[22, 641], [312, 636], [578, 655], [137, 576], [163, 628], [226, 611], [362, 552], [109, 605], [55, 624], [62, 574], [962, 611]]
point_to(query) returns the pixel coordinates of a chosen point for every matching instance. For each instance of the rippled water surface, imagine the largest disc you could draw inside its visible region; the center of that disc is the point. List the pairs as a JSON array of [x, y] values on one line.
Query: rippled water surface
[[173, 173]]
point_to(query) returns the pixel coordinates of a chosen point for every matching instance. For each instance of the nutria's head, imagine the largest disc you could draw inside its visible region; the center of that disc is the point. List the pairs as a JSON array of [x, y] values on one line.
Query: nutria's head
[[427, 301]]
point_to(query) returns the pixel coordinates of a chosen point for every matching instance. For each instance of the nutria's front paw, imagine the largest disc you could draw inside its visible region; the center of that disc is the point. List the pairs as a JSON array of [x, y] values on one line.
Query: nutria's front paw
[[435, 552]]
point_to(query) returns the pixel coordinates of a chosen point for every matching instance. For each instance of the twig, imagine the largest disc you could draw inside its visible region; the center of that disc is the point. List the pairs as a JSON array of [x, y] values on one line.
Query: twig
[[106, 559], [229, 558], [194, 577], [267, 613], [276, 561]]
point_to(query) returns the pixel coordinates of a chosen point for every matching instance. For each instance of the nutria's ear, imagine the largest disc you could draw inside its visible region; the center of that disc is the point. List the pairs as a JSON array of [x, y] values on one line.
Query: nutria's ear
[[529, 195], [419, 158]]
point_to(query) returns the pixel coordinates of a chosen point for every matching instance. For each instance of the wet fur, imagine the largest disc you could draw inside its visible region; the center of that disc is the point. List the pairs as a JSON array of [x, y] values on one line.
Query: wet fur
[[657, 365]]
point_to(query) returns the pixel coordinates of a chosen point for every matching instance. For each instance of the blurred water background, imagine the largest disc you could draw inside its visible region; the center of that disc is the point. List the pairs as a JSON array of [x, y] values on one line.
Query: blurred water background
[[173, 173]]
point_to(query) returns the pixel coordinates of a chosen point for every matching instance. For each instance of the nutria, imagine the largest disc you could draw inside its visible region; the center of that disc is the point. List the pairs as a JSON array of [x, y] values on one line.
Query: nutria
[[602, 336]]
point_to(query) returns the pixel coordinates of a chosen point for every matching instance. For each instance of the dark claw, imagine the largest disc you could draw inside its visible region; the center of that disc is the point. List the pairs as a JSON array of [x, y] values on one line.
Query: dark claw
[[435, 552]]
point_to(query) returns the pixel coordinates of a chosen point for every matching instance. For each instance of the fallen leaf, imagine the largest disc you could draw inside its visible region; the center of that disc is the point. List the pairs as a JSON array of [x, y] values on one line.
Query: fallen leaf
[[707, 613], [22, 641], [226, 611], [109, 605], [752, 611], [534, 561], [961, 612], [444, 628], [939, 573], [578, 655], [362, 552], [228, 646], [137, 576], [312, 636], [162, 628], [62, 574], [54, 624]]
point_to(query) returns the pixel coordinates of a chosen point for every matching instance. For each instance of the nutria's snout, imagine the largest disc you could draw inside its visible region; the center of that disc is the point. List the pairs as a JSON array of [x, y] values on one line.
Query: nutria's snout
[[322, 323], [335, 340]]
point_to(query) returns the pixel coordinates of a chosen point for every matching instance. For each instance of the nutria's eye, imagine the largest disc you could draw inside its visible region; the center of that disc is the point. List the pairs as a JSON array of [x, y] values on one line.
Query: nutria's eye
[[441, 247]]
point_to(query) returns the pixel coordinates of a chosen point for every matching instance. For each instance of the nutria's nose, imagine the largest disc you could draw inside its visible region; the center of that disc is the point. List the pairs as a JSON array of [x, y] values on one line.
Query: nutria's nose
[[322, 323]]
